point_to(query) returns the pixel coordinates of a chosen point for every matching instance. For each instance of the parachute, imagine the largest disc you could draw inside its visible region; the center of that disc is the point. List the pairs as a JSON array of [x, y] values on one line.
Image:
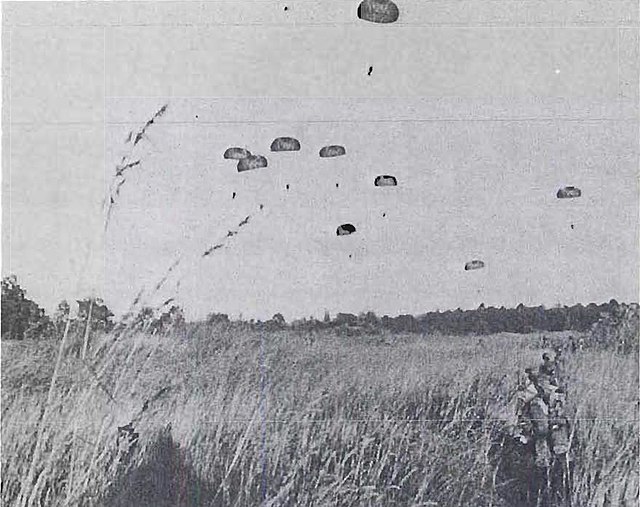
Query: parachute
[[285, 144], [474, 264], [568, 193], [332, 151], [378, 11], [345, 230], [251, 162], [236, 153], [385, 181]]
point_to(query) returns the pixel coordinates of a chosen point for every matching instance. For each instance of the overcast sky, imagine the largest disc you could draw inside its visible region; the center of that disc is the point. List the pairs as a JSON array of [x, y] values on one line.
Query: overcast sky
[[480, 120]]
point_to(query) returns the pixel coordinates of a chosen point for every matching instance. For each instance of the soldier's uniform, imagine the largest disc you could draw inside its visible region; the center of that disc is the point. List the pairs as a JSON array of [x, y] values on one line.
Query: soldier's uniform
[[539, 412], [526, 393], [559, 424], [559, 363], [559, 436], [547, 368], [541, 415]]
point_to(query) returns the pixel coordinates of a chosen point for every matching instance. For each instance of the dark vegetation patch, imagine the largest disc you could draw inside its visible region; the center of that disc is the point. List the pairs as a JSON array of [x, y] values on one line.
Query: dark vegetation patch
[[163, 479]]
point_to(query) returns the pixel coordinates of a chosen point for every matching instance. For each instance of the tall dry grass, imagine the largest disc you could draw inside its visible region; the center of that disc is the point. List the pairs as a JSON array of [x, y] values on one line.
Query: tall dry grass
[[227, 416]]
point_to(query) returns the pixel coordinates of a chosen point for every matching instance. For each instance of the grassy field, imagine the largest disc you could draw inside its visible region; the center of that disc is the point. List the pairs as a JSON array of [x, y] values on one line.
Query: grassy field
[[229, 416]]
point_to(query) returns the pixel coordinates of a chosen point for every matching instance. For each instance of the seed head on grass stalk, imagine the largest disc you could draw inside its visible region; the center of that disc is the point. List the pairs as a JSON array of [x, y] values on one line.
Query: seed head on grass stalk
[[127, 162]]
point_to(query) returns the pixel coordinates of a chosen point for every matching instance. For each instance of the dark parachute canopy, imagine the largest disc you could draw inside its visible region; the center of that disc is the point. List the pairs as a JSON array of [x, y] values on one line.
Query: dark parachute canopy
[[378, 11], [251, 162], [345, 230], [568, 193], [236, 153], [285, 144], [332, 151], [385, 181], [474, 264]]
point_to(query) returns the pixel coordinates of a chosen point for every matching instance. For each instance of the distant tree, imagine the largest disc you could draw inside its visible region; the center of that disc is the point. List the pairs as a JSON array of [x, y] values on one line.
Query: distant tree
[[405, 323], [371, 319], [278, 320], [170, 321], [144, 319], [346, 318], [94, 311], [21, 317], [218, 318]]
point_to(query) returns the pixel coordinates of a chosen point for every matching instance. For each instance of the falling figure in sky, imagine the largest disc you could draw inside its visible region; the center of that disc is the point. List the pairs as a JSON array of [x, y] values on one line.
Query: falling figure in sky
[[370, 71], [287, 186], [233, 196]]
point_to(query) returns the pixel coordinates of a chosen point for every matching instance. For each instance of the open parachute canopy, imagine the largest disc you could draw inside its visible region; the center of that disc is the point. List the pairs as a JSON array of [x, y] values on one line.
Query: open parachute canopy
[[474, 264], [568, 193], [236, 153], [345, 230], [378, 11], [332, 151], [251, 162], [285, 144], [385, 181]]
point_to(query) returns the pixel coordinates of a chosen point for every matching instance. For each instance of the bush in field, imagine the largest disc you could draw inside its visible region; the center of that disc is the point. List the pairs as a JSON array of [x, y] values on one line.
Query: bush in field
[[160, 322], [21, 317], [618, 329], [94, 311]]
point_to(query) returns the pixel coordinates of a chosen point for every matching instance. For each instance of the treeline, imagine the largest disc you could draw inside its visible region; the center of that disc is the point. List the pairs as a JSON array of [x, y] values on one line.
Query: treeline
[[522, 319], [483, 320], [22, 318], [487, 320]]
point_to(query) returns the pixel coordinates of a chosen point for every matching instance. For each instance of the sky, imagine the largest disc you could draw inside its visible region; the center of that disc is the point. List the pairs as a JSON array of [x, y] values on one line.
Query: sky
[[480, 120]]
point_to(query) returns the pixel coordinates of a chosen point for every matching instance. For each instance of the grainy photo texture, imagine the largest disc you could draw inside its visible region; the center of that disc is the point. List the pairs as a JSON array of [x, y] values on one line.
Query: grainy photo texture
[[320, 253]]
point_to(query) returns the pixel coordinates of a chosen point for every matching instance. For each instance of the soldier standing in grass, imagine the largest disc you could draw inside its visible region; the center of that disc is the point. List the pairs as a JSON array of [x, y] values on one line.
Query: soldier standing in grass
[[547, 370], [543, 424], [559, 364], [559, 436], [538, 412]]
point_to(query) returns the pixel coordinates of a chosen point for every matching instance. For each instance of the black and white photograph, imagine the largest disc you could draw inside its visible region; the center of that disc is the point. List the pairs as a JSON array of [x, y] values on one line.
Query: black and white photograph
[[283, 253]]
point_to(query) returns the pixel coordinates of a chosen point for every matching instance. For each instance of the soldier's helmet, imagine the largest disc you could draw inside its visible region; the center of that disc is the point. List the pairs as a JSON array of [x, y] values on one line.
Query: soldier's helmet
[[532, 376], [546, 357]]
